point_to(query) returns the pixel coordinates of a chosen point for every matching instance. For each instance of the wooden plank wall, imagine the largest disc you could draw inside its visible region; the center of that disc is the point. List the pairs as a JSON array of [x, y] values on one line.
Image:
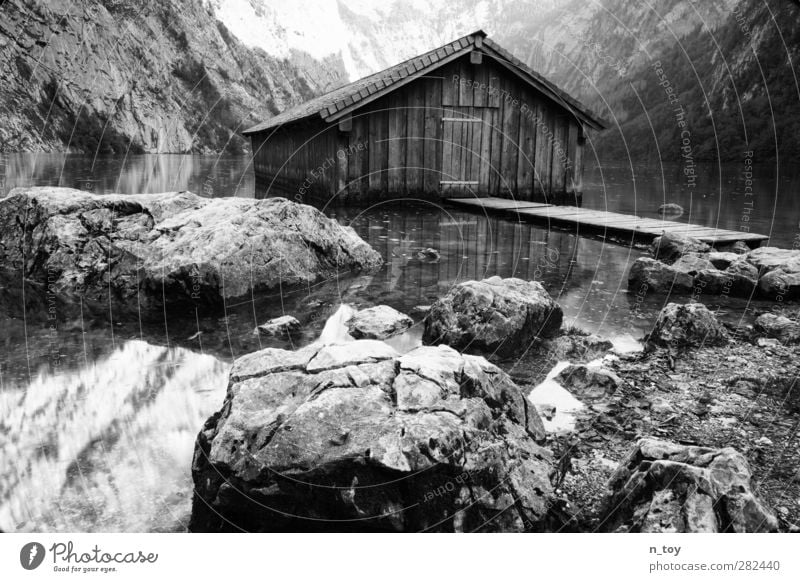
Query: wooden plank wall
[[527, 146]]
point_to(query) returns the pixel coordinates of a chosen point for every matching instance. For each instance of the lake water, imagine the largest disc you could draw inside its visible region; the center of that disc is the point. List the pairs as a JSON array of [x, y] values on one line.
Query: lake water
[[98, 419]]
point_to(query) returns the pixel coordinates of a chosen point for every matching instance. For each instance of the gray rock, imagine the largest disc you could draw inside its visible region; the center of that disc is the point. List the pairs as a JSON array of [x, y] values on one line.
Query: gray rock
[[285, 324], [692, 263], [713, 282], [739, 247], [767, 259], [745, 278], [588, 383], [648, 275], [379, 322], [778, 285], [692, 324], [671, 209], [779, 327], [429, 440], [670, 247], [493, 315], [140, 248], [577, 347], [662, 487], [722, 260]]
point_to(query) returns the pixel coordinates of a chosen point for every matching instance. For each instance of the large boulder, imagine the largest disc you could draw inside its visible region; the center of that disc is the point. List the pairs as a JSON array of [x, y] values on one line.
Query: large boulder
[[779, 327], [670, 247], [176, 246], [662, 487], [379, 322], [679, 326], [356, 437], [494, 315], [648, 275], [745, 278]]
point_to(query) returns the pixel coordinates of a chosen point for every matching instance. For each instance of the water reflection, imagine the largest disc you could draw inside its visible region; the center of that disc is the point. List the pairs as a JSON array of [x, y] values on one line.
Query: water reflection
[[210, 176], [106, 447]]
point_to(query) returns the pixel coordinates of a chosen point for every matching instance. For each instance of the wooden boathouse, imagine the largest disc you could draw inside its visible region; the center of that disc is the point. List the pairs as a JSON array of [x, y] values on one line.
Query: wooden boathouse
[[464, 120]]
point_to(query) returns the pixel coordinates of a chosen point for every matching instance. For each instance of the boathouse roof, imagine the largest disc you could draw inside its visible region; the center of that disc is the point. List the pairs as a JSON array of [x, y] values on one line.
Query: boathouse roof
[[340, 102]]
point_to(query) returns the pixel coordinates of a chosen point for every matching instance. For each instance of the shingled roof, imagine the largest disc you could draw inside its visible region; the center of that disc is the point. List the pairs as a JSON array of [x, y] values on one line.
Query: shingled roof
[[339, 102]]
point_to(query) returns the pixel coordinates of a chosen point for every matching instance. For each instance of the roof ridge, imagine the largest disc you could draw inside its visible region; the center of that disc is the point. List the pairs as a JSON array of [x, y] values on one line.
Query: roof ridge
[[342, 100]]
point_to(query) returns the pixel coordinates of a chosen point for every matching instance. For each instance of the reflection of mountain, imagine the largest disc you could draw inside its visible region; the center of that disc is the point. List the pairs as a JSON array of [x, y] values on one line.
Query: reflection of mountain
[[204, 175], [107, 447]]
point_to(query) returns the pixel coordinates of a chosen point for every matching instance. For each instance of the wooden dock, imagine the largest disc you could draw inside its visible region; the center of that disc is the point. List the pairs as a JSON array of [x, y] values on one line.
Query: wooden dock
[[598, 222]]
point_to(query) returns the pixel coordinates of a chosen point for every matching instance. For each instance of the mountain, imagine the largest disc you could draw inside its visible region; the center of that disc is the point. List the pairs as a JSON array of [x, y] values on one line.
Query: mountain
[[188, 75], [117, 76]]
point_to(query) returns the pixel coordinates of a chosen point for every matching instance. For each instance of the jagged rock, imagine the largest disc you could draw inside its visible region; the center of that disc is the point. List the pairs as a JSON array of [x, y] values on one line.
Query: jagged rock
[[493, 315], [588, 383], [285, 324], [692, 324], [577, 347], [662, 487], [779, 327], [745, 278], [778, 285], [722, 260], [370, 440], [648, 275], [176, 246], [693, 263], [670, 247], [670, 209], [379, 322]]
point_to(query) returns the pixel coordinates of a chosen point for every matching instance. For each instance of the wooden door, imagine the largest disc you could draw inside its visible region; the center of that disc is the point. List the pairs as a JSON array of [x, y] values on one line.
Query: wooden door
[[464, 133]]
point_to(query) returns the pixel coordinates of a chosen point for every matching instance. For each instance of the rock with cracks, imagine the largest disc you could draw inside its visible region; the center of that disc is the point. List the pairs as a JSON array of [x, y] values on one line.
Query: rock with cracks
[[379, 322], [679, 326], [662, 487], [356, 437], [173, 247], [495, 315]]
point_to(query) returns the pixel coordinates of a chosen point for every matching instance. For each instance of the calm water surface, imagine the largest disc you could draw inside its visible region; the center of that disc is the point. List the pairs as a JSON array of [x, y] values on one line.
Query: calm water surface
[[98, 420]]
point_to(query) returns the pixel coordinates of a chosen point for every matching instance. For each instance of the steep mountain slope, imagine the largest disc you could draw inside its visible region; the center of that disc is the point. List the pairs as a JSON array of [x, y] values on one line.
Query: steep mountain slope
[[138, 75]]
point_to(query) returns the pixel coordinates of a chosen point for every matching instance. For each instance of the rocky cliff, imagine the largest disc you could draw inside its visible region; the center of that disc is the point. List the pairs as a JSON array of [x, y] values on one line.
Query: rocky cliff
[[117, 76]]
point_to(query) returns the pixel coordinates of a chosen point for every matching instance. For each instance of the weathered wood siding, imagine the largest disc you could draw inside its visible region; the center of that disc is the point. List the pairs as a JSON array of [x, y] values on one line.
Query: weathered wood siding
[[476, 127]]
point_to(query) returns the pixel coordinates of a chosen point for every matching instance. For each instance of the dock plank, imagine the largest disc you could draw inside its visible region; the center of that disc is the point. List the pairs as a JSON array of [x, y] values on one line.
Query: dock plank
[[603, 222]]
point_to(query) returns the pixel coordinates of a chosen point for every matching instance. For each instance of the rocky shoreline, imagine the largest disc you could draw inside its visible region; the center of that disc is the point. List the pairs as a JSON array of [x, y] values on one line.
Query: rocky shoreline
[[694, 433]]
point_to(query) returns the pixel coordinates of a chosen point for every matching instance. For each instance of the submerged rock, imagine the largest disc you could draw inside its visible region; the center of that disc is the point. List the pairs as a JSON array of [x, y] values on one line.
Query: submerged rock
[[493, 315], [662, 487], [648, 275], [671, 209], [779, 327], [692, 324], [174, 246], [282, 325], [379, 322], [670, 247], [356, 437]]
